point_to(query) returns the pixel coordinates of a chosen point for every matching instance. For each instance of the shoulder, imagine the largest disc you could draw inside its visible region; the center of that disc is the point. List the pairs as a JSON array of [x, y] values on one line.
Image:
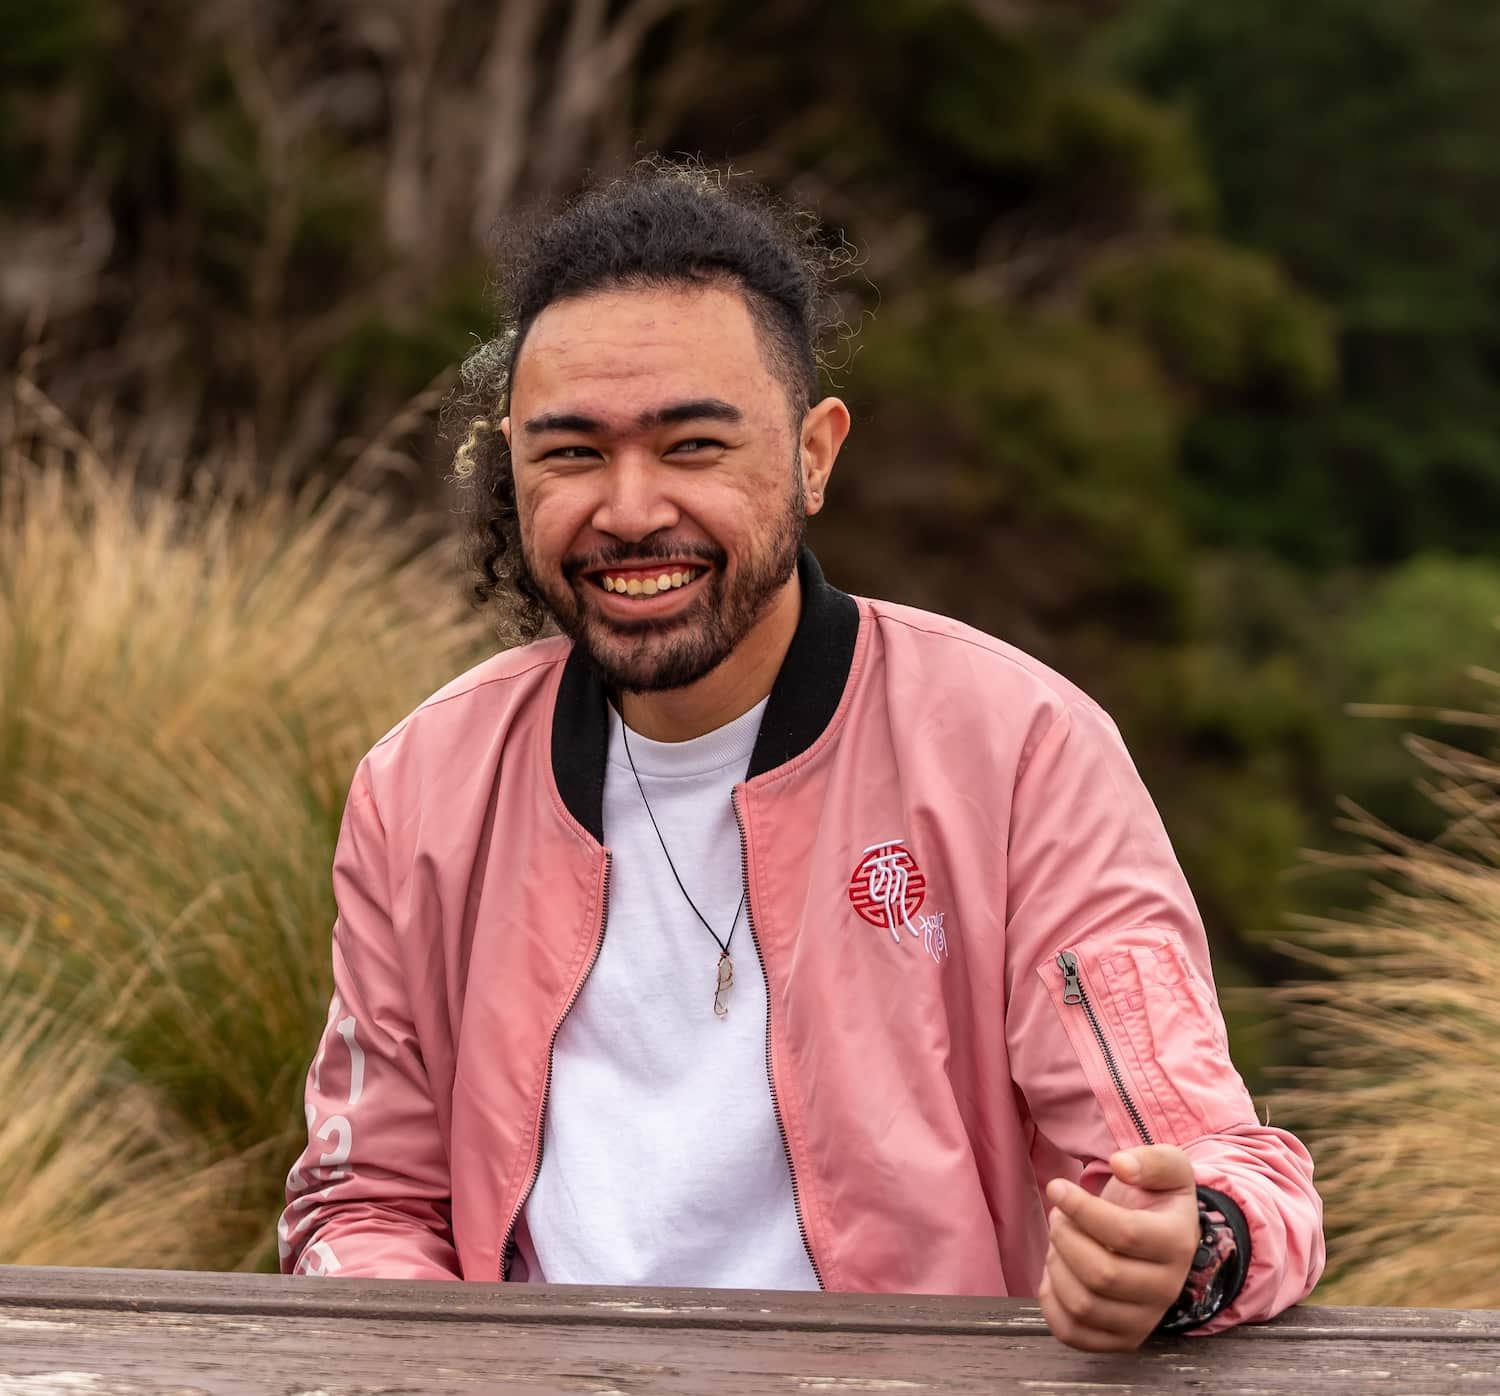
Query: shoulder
[[984, 707], [992, 696], [940, 651], [493, 685], [470, 715]]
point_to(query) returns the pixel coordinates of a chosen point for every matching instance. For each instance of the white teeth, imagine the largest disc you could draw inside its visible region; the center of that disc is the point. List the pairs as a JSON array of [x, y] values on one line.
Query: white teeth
[[649, 586]]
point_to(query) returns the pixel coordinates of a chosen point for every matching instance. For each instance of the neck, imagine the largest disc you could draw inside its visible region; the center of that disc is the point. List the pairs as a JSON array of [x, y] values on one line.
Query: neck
[[732, 689]]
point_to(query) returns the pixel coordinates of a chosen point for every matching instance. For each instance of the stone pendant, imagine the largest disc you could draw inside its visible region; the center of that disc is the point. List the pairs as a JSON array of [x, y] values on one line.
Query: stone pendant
[[726, 978]]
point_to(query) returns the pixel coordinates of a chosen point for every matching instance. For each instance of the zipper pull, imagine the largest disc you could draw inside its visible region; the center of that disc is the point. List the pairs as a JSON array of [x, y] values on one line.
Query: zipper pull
[[1072, 988]]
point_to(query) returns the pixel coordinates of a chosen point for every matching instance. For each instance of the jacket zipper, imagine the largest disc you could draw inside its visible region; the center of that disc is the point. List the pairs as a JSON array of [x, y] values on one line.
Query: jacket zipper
[[770, 1075], [510, 1231], [1074, 992]]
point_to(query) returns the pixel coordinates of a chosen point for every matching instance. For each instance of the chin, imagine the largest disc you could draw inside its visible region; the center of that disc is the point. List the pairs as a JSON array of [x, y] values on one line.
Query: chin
[[655, 660]]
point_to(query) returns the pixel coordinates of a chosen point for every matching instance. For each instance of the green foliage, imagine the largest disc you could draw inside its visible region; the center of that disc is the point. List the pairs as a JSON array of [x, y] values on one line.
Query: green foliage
[[1256, 351], [1404, 647], [1353, 141], [400, 355], [996, 108], [1007, 109], [1270, 482], [1057, 400], [43, 42], [1048, 428], [1107, 133], [1229, 727], [1409, 640], [1221, 318]]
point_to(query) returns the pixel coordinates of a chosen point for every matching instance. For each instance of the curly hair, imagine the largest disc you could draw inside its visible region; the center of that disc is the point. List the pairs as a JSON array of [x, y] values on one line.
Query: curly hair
[[663, 224]]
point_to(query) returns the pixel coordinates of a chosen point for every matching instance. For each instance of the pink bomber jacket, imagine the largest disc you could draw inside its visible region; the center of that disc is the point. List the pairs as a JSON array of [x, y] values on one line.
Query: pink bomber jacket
[[984, 969]]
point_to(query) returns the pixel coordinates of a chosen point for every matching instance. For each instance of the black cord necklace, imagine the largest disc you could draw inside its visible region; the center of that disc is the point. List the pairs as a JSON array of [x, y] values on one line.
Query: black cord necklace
[[726, 965]]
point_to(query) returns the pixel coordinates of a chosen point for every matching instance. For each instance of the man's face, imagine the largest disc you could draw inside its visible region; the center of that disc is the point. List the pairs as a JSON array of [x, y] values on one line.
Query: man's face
[[658, 482]]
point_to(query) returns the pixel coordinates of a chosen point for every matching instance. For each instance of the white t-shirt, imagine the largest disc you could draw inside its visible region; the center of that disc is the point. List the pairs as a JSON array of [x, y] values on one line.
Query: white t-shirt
[[662, 1163]]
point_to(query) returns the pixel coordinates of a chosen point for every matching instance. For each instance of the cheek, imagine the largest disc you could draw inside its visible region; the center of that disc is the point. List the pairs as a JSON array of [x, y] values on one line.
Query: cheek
[[549, 518], [749, 505], [769, 503]]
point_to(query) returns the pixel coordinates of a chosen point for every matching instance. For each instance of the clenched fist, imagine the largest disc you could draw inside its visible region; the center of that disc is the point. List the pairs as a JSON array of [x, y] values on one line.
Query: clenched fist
[[1117, 1262]]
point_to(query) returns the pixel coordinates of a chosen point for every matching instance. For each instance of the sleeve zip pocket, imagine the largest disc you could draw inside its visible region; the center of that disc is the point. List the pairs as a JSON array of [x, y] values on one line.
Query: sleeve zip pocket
[[1075, 993], [1147, 1034]]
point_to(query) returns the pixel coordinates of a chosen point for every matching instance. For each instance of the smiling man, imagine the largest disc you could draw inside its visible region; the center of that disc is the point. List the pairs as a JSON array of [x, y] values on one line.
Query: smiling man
[[748, 933]]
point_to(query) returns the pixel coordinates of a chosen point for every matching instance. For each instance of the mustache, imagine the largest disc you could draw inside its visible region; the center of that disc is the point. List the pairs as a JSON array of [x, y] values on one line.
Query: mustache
[[647, 550]]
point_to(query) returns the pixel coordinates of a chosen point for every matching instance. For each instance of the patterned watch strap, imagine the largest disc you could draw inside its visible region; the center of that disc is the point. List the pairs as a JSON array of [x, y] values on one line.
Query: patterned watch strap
[[1219, 1264]]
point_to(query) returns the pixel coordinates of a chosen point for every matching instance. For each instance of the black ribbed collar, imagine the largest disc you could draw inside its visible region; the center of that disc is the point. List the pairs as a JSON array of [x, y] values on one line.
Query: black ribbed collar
[[802, 703]]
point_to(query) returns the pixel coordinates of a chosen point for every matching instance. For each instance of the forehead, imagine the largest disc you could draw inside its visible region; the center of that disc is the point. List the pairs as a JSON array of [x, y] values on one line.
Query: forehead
[[624, 350]]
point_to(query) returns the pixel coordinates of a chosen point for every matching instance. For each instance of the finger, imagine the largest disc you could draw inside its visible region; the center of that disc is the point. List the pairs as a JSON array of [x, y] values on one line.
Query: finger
[[1075, 1333], [1107, 1272], [1085, 1306], [1131, 1231], [1154, 1167]]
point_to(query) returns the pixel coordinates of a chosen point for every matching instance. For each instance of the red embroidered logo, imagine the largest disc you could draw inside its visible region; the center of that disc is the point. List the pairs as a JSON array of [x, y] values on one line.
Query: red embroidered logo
[[888, 887]]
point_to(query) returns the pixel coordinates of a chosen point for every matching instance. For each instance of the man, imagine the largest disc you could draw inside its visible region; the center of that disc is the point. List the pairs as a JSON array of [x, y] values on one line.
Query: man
[[749, 934]]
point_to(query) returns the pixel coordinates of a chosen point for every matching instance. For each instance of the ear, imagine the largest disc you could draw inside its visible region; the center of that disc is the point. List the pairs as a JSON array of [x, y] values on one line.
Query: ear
[[823, 431], [505, 431]]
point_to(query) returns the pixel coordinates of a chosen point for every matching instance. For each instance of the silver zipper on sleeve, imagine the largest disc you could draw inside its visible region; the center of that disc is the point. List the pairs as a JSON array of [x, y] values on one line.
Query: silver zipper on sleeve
[[1074, 992], [770, 1075], [507, 1245]]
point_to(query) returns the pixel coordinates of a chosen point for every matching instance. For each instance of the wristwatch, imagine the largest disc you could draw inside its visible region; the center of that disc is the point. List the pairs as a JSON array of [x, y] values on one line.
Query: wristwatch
[[1219, 1264]]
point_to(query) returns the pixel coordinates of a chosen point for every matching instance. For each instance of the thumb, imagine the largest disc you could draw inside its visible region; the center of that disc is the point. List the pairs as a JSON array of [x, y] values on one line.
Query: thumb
[[1154, 1167]]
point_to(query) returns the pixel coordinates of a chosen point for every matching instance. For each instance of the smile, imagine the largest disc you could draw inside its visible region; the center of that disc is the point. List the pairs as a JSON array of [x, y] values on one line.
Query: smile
[[648, 583]]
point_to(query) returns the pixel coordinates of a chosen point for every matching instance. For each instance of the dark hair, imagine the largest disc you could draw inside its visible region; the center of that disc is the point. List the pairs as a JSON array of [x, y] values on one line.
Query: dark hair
[[662, 224]]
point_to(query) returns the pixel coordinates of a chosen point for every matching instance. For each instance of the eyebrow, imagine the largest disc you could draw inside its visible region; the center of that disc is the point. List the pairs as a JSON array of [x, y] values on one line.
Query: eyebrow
[[702, 409]]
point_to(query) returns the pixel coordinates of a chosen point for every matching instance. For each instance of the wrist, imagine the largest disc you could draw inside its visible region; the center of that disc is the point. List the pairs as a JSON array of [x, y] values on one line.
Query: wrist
[[1219, 1266]]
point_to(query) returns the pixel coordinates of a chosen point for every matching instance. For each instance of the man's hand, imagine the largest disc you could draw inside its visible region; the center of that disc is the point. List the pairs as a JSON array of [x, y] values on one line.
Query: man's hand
[[1117, 1262]]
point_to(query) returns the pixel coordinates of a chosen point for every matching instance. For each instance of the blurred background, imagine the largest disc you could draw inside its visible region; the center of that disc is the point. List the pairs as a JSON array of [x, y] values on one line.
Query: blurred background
[[1172, 337]]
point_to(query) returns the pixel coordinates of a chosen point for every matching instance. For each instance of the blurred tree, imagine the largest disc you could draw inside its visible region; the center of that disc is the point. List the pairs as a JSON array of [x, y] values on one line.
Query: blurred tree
[[1409, 643], [1354, 140], [271, 217]]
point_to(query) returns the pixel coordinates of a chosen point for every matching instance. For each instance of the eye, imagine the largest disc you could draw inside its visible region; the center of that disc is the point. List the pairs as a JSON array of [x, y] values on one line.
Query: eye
[[570, 453], [695, 444]]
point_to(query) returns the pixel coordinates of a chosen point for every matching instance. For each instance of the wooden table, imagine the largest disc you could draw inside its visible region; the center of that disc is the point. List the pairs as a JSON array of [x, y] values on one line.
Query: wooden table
[[111, 1332]]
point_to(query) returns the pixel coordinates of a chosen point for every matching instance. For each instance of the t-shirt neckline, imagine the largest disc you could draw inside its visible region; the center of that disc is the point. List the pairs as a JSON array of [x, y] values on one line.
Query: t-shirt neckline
[[726, 746]]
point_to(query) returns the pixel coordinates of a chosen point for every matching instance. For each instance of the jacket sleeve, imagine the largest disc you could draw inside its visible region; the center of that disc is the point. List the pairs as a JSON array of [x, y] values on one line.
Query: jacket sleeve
[[1112, 1022], [370, 1193]]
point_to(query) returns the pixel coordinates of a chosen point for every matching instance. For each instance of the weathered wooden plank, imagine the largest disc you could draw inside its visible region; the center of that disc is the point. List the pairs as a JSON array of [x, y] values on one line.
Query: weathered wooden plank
[[120, 1333], [206, 1292], [119, 1353]]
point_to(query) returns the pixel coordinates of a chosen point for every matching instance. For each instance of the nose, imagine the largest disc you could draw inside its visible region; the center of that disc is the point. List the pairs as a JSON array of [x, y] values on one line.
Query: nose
[[634, 504]]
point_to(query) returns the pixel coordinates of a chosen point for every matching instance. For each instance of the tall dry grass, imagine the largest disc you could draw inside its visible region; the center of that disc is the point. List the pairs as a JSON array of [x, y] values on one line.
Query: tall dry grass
[[188, 676], [96, 1167], [1401, 1104]]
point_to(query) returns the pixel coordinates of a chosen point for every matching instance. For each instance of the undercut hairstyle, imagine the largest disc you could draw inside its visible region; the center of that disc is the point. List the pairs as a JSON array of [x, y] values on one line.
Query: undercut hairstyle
[[662, 225]]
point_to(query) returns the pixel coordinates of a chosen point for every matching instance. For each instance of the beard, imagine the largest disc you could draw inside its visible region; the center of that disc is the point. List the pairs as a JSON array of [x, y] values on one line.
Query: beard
[[652, 656]]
